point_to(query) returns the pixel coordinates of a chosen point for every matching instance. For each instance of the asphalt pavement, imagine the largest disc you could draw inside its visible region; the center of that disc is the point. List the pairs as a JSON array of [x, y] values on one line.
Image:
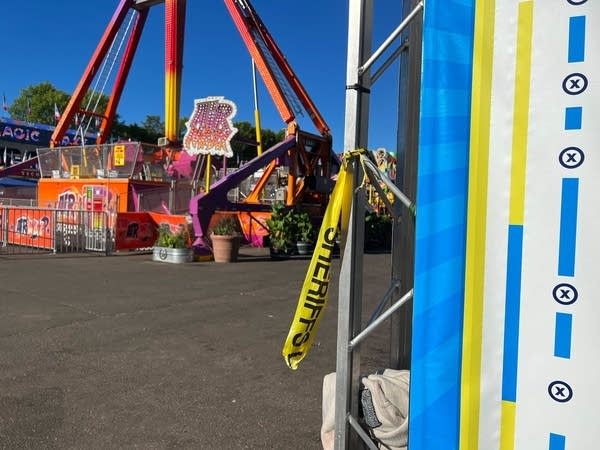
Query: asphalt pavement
[[123, 352]]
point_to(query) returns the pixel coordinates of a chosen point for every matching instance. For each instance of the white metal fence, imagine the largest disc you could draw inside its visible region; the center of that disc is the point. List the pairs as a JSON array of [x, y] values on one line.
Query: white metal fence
[[27, 230]]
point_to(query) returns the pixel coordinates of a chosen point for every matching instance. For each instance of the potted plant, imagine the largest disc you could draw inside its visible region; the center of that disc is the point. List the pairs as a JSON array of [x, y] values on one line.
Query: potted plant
[[305, 232], [173, 246], [282, 232], [225, 237]]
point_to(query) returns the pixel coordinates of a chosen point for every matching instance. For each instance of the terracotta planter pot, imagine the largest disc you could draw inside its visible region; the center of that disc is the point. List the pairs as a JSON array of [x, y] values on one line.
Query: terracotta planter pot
[[225, 248]]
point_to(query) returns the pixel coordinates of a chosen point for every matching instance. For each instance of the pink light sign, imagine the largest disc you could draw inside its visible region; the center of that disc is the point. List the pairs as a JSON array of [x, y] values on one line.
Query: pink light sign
[[210, 127]]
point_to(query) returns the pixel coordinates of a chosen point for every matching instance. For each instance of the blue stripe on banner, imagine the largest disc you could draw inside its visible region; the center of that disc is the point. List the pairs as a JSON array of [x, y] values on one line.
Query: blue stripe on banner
[[576, 39], [448, 75], [437, 315], [446, 157], [441, 230], [456, 16], [445, 41], [447, 206], [444, 274], [573, 118], [511, 313], [562, 335], [557, 442], [435, 414], [447, 245], [442, 185], [433, 107], [568, 227]]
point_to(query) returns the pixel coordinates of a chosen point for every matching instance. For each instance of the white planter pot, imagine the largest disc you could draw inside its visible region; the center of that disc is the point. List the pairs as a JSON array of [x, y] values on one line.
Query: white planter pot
[[172, 255]]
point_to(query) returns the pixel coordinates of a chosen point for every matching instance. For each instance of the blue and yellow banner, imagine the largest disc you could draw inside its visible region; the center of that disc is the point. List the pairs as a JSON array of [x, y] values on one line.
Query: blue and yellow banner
[[504, 353]]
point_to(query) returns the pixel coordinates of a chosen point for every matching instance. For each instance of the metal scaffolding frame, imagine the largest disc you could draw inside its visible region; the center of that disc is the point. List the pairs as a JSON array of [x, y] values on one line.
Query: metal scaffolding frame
[[358, 87]]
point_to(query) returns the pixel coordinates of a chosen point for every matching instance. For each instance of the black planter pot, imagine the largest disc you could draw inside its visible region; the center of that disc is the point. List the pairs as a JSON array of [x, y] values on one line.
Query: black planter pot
[[304, 248], [278, 254]]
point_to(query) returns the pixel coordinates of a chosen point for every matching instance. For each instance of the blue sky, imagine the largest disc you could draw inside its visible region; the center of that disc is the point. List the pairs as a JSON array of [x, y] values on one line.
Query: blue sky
[[53, 41]]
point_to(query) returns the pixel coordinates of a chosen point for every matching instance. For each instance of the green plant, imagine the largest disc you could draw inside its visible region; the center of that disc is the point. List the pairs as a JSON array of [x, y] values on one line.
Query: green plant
[[305, 231], [170, 239], [282, 229], [226, 226]]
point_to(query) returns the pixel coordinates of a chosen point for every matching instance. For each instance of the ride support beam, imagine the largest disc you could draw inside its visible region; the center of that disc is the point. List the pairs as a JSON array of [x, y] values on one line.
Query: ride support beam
[[121, 78], [90, 71], [174, 32]]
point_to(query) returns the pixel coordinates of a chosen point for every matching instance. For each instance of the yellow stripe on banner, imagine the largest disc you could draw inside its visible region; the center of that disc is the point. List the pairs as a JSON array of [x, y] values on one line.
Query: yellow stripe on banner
[[507, 425], [483, 57], [521, 113]]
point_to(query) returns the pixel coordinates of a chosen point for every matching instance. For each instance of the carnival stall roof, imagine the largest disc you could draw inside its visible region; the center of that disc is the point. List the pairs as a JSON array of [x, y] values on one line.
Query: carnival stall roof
[[17, 182]]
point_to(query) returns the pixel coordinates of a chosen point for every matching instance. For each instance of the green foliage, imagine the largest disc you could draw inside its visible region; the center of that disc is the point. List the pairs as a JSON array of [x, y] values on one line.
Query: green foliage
[[288, 226], [226, 226], [282, 229], [154, 125], [305, 229], [121, 130], [169, 239], [247, 133], [36, 103]]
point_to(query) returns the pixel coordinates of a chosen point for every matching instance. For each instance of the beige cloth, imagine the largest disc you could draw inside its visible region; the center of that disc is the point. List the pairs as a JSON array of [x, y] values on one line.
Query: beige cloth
[[328, 412], [385, 408]]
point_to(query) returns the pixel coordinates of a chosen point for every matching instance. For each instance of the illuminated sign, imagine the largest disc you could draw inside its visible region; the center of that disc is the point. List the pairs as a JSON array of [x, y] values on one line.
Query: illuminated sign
[[210, 128]]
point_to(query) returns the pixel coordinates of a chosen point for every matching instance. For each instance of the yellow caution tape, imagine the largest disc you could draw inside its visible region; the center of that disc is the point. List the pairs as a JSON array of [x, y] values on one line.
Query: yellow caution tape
[[313, 296]]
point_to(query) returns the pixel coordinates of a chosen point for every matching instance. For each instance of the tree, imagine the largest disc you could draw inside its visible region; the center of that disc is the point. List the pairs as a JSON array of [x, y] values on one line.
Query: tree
[[121, 130], [244, 142], [36, 103], [154, 125]]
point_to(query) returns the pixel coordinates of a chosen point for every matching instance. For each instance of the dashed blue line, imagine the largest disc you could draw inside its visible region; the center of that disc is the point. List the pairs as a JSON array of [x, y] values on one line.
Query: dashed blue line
[[557, 442], [562, 335], [568, 227], [576, 39], [573, 117]]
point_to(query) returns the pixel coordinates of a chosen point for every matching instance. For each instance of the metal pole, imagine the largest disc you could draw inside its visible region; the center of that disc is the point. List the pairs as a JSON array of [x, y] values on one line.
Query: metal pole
[[4, 227], [390, 39], [256, 112], [349, 318], [365, 437], [364, 333], [350, 282], [406, 180]]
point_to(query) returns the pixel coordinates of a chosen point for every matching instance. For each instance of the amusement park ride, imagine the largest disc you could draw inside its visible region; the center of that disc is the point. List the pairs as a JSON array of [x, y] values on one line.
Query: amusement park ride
[[300, 166]]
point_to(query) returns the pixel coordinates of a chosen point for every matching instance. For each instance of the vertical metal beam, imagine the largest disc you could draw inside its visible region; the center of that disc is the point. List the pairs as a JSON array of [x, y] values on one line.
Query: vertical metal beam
[[174, 32], [358, 87], [406, 180], [349, 319], [350, 290], [90, 72]]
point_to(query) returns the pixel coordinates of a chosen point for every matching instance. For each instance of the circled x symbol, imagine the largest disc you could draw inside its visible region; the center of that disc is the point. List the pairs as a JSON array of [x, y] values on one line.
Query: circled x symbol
[[571, 157], [565, 294], [575, 83], [577, 2], [560, 391]]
